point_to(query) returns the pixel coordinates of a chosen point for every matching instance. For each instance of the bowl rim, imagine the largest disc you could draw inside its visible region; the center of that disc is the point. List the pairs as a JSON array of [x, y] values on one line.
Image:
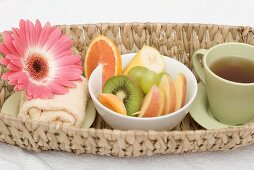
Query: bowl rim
[[181, 110]]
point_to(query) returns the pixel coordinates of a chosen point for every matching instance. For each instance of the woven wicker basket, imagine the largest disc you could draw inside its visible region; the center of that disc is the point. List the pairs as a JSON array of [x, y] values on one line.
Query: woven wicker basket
[[176, 40]]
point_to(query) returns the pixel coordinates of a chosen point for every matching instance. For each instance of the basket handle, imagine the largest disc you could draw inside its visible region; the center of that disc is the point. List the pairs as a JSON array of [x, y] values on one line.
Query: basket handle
[[197, 64]]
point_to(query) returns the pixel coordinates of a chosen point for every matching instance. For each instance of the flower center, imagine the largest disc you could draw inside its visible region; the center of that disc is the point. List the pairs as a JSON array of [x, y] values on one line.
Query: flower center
[[37, 66]]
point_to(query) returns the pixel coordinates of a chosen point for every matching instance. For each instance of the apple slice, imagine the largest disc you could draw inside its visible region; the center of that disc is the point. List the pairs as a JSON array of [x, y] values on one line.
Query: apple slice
[[153, 103], [167, 86], [181, 89], [163, 100]]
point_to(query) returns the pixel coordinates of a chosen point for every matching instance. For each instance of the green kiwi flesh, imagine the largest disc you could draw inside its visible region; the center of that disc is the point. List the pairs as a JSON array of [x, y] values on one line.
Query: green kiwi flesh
[[127, 90]]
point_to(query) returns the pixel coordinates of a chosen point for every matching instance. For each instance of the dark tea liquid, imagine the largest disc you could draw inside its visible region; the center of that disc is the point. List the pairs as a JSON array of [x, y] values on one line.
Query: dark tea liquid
[[235, 69]]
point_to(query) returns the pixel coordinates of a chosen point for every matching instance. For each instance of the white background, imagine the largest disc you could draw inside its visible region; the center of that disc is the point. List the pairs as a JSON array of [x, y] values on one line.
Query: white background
[[234, 12]]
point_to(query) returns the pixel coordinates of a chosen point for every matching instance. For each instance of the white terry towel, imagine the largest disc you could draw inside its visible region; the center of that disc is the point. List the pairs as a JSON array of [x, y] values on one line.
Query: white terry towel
[[68, 109]]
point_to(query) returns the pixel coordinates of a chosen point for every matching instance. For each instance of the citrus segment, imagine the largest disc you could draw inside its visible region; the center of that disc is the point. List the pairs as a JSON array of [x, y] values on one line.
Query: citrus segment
[[103, 51]]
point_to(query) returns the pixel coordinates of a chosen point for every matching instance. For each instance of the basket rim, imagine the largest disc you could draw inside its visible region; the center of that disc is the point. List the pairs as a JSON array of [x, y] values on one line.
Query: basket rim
[[53, 127]]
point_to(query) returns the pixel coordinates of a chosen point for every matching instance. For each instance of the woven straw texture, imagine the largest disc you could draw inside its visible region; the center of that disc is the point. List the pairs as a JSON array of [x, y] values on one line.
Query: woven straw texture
[[176, 40]]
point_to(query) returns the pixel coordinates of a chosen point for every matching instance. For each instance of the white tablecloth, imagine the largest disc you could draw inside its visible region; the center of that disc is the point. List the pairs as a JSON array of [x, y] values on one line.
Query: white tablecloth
[[237, 12]]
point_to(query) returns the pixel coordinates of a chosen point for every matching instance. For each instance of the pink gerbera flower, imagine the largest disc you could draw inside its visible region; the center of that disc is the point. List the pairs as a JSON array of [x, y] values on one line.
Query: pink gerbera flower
[[39, 60]]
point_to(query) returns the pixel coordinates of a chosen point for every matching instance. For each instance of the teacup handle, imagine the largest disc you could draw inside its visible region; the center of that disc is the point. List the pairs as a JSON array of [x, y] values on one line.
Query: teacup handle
[[197, 65]]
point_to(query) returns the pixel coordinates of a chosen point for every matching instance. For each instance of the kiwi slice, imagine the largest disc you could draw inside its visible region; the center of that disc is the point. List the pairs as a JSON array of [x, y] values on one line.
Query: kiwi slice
[[127, 90]]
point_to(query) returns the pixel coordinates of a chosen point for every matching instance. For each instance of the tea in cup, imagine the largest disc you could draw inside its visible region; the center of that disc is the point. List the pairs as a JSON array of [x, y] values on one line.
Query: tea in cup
[[228, 73]]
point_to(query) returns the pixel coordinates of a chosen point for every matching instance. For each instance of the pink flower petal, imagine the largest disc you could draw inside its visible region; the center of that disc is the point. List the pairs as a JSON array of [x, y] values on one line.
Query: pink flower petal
[[69, 60], [62, 44], [13, 67], [56, 88], [45, 93], [49, 93], [17, 63], [75, 67], [21, 47], [30, 89], [22, 33], [68, 75], [4, 61], [29, 97], [63, 54], [53, 37], [4, 49], [70, 69], [14, 60], [38, 29], [12, 57], [6, 75], [65, 83], [32, 34], [37, 91], [21, 50], [42, 92], [23, 78], [19, 87], [15, 31], [8, 43], [27, 30], [45, 32], [13, 79]]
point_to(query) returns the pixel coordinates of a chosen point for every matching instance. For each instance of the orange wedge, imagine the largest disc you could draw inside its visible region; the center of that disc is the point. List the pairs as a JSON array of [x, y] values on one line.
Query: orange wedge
[[112, 102], [103, 51]]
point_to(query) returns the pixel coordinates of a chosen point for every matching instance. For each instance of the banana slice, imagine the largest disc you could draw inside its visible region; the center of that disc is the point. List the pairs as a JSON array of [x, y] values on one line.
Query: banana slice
[[147, 57]]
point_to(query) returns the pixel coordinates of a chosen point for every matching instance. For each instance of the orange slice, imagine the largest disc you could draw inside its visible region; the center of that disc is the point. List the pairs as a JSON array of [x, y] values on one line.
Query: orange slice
[[103, 51], [112, 102]]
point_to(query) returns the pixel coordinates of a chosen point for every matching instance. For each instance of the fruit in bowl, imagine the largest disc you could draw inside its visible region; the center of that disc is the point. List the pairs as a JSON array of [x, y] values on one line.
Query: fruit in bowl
[[157, 105], [162, 95], [126, 90], [166, 84], [146, 78], [148, 57], [154, 103]]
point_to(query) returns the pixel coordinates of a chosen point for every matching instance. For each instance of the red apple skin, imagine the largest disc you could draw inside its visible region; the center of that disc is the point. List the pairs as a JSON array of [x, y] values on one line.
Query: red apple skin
[[153, 103]]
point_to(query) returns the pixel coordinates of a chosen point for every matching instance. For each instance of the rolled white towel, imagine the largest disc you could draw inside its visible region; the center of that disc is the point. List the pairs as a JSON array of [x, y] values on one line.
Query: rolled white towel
[[68, 109]]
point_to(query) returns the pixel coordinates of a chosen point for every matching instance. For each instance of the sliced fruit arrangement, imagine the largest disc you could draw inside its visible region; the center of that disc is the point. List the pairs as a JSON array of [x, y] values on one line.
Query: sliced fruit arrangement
[[144, 98], [165, 96], [103, 51], [143, 89], [126, 90]]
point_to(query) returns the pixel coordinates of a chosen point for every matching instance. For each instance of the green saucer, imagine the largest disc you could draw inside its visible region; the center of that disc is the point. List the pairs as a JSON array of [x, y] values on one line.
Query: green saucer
[[201, 113], [12, 104], [90, 114]]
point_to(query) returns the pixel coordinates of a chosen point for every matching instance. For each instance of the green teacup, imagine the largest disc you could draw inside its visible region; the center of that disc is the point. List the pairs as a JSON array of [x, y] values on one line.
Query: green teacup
[[230, 102]]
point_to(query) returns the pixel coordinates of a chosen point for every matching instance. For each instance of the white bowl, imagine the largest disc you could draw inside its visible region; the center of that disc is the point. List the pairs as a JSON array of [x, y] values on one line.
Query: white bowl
[[165, 122]]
